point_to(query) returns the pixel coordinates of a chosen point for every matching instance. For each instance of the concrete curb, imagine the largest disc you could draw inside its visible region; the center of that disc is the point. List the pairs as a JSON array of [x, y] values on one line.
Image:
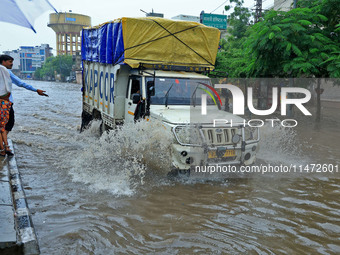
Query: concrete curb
[[8, 233], [24, 225]]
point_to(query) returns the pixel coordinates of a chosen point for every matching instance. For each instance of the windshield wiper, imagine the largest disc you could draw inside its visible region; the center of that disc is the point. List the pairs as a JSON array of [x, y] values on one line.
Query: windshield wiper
[[167, 95], [194, 95]]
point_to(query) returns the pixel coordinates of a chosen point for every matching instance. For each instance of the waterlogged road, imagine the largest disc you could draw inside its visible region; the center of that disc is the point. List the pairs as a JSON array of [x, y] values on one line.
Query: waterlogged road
[[90, 195]]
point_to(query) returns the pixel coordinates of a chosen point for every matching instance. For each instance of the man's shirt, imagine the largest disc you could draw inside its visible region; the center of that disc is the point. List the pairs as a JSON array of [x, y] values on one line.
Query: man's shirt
[[17, 81], [5, 81]]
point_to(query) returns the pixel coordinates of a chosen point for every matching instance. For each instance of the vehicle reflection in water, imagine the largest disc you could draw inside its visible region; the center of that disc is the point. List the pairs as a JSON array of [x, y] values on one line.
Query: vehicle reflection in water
[[91, 195]]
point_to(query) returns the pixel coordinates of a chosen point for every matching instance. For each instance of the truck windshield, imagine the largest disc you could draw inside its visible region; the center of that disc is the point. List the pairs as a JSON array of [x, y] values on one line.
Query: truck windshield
[[175, 91]]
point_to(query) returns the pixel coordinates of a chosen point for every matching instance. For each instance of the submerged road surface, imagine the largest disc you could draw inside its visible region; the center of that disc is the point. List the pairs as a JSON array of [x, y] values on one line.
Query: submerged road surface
[[91, 195]]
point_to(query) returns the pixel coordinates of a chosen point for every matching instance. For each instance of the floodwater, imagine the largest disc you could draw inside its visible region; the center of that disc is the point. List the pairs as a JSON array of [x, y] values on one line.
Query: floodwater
[[91, 194]]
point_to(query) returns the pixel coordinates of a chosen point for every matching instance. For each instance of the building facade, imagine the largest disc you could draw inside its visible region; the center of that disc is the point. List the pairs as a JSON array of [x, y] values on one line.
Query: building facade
[[28, 58], [33, 57], [186, 18]]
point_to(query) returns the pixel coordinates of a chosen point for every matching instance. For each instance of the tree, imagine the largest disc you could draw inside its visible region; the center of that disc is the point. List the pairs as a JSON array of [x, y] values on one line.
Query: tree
[[230, 57], [329, 9], [303, 42], [239, 19], [289, 44], [37, 73], [55, 65]]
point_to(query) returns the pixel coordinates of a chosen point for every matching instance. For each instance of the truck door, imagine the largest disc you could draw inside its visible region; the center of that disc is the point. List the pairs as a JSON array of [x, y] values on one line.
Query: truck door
[[134, 88]]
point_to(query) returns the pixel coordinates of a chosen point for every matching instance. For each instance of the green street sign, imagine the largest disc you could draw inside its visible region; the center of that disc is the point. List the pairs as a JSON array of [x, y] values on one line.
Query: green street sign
[[214, 20]]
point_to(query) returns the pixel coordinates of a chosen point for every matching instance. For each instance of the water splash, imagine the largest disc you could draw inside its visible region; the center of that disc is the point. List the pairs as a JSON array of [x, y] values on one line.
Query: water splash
[[117, 160], [280, 145]]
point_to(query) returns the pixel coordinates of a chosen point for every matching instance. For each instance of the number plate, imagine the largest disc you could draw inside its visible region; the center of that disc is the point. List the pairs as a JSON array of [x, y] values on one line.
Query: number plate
[[228, 153]]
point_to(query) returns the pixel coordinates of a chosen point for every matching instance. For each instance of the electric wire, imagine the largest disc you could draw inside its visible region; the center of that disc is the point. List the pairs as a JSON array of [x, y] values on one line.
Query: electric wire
[[219, 6]]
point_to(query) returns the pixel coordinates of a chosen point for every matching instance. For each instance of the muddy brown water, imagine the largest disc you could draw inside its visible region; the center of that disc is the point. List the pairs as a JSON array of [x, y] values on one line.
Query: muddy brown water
[[90, 195]]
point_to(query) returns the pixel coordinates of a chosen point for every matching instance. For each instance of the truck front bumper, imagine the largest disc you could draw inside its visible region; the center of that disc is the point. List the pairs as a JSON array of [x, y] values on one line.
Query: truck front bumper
[[185, 157]]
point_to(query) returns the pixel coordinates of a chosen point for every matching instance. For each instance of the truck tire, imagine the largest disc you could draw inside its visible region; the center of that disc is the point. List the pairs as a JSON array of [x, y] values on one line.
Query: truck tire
[[86, 118], [103, 128]]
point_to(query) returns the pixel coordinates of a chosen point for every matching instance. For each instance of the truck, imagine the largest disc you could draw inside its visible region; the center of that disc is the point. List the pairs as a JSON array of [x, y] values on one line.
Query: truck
[[156, 69]]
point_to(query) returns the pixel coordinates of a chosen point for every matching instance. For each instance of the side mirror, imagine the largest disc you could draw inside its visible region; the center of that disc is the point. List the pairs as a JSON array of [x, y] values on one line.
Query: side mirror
[[136, 98], [150, 88]]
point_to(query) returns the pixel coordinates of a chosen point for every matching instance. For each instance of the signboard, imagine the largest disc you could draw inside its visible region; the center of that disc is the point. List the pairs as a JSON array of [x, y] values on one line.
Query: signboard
[[70, 19], [214, 20]]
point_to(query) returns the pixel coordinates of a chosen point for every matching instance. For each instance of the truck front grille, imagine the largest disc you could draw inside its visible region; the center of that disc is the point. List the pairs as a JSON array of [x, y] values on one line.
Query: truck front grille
[[218, 136]]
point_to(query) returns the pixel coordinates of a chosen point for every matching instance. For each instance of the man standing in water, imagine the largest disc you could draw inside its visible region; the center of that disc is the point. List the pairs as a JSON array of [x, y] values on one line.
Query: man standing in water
[[7, 61], [5, 105]]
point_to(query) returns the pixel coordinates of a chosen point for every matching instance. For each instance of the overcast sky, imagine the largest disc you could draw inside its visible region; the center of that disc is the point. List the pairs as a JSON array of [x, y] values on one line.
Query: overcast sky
[[100, 11]]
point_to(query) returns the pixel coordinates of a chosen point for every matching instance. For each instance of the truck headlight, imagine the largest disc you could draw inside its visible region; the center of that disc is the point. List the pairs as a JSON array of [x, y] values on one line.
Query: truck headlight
[[236, 138], [187, 135]]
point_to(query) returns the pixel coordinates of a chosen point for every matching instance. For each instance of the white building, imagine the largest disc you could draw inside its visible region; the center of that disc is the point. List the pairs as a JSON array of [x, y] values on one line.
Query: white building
[[283, 5], [32, 57], [14, 54], [187, 18]]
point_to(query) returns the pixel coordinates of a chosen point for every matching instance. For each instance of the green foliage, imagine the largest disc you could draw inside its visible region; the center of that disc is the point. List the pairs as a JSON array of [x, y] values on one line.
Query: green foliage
[[230, 58], [304, 42], [299, 48], [55, 65], [328, 12], [333, 65], [305, 22], [239, 19]]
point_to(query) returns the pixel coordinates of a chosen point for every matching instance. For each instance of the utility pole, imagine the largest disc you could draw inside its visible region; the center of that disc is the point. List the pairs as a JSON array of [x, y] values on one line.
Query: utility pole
[[258, 10]]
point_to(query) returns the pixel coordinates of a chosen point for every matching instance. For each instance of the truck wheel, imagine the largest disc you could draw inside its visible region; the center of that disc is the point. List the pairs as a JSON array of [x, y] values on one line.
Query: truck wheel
[[103, 128], [85, 120], [179, 174]]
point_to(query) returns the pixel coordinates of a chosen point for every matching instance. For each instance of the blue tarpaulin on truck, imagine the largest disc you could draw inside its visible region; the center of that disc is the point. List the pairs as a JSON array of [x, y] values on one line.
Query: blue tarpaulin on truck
[[136, 41], [103, 44]]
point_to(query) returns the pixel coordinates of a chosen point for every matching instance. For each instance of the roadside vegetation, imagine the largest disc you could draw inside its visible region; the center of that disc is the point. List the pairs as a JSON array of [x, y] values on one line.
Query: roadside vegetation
[[303, 42], [55, 68]]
